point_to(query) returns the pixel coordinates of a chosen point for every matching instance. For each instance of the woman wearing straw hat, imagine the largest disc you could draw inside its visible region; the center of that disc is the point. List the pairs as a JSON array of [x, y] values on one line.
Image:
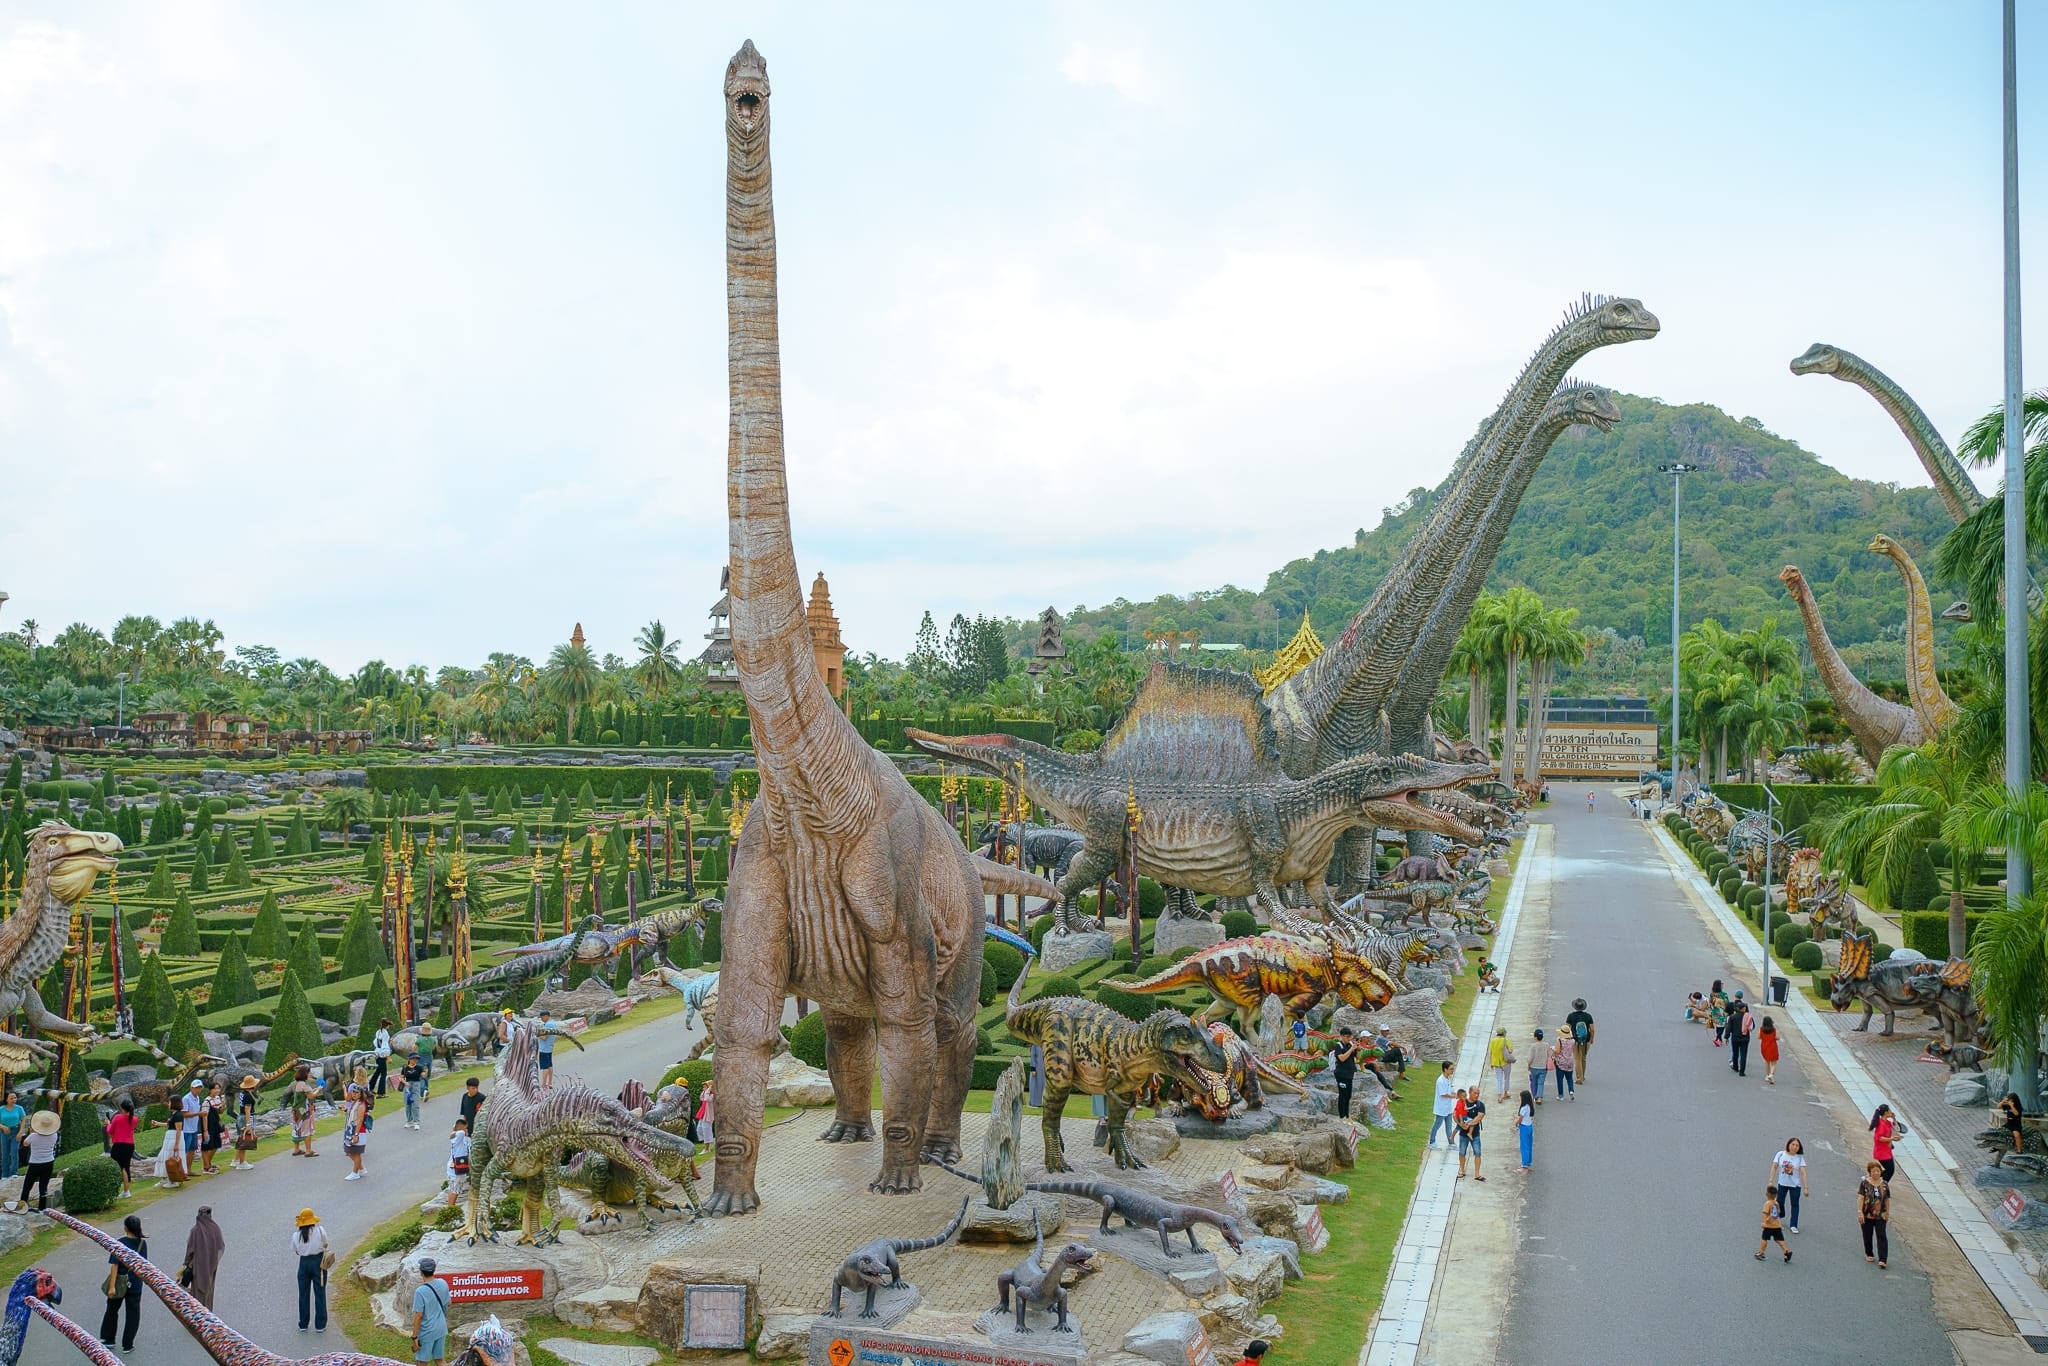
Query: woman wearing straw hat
[[42, 1155], [309, 1246], [245, 1125]]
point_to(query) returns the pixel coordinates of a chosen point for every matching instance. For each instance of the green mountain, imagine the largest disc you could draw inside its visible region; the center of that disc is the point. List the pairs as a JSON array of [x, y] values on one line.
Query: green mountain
[[1594, 532]]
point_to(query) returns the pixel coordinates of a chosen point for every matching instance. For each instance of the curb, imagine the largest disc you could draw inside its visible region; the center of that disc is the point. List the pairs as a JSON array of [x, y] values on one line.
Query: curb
[[1934, 1172], [1396, 1337]]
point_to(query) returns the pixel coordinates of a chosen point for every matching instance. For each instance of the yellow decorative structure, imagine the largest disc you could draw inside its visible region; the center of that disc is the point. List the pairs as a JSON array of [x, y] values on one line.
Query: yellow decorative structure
[[1296, 655]]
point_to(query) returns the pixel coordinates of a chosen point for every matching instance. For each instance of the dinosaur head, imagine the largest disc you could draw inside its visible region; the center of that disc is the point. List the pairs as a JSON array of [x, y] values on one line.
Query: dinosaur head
[[1360, 984], [1817, 359], [1398, 813], [1191, 1057], [1881, 544], [1587, 404], [1073, 1254], [1597, 320], [71, 859], [1792, 578], [746, 95], [871, 1270]]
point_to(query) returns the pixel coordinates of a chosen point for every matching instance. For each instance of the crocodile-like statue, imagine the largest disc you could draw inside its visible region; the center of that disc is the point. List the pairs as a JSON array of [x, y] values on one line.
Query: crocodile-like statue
[[524, 1131], [610, 1185], [1037, 1285], [1139, 1210], [163, 1090], [875, 1267], [1923, 685], [1876, 723], [228, 1075], [535, 962], [1894, 985], [1242, 973], [1197, 752], [62, 865], [1089, 1048], [846, 886]]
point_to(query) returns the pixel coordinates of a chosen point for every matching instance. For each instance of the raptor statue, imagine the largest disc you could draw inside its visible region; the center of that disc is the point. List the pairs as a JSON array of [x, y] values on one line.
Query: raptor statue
[[1877, 723], [1089, 1048], [525, 1130], [846, 886], [34, 1283], [1301, 971], [61, 867], [1037, 1285]]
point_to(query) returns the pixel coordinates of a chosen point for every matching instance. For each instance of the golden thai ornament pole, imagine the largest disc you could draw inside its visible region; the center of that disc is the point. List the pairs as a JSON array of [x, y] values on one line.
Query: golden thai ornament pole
[[390, 894], [115, 958], [596, 874], [401, 934], [1133, 819], [538, 860], [568, 882], [458, 915]]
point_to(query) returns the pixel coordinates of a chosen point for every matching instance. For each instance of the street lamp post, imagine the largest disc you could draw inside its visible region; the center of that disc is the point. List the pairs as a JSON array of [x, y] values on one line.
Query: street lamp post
[[1675, 470], [2018, 722]]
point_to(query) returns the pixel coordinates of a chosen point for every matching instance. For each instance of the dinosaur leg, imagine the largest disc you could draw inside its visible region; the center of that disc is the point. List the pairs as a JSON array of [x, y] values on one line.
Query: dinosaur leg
[[1053, 1110], [1059, 1303], [1119, 1108], [958, 996], [751, 986], [909, 1055], [1096, 861], [850, 1059], [1003, 1282]]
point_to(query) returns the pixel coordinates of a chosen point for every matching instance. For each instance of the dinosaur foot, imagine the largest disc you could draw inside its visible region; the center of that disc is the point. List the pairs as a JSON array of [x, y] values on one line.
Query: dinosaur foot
[[601, 1215], [897, 1181], [869, 1314], [944, 1151], [727, 1202], [846, 1131]]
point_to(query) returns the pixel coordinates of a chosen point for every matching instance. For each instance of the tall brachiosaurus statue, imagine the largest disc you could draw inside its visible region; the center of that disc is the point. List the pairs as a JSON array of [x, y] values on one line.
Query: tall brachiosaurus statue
[[1923, 685], [1876, 723], [847, 887]]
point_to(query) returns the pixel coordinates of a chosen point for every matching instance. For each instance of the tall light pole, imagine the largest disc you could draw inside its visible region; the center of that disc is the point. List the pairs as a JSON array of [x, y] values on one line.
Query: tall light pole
[[2018, 723], [1675, 470]]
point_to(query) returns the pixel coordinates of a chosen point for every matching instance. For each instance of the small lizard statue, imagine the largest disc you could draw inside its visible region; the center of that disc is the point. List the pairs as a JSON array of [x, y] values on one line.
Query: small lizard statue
[[1139, 1210], [874, 1266], [1038, 1285]]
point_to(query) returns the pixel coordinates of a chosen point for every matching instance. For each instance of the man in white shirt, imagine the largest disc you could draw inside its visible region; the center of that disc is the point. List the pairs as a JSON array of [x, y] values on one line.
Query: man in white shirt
[[189, 1111], [381, 1046], [1443, 1116]]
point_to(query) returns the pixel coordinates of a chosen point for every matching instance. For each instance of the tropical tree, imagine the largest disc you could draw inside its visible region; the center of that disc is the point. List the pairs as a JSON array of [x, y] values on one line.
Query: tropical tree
[[659, 668], [1928, 794], [345, 806], [1763, 651], [571, 679], [1557, 642], [1471, 658], [1509, 628]]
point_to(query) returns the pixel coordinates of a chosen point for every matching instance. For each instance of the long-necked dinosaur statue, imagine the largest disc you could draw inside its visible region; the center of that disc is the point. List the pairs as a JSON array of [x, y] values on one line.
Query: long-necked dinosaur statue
[[1876, 723], [62, 866], [1923, 685], [846, 887]]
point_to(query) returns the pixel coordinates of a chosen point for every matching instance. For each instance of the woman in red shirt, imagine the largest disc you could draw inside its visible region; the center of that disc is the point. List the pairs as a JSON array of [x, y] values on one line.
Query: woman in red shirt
[[121, 1141], [1883, 1131], [1767, 1042]]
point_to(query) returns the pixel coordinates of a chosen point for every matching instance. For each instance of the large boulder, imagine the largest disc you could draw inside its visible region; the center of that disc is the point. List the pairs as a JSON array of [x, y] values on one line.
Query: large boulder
[[1174, 1337], [1415, 1021], [1259, 1274], [793, 1082], [659, 1311], [1012, 1225]]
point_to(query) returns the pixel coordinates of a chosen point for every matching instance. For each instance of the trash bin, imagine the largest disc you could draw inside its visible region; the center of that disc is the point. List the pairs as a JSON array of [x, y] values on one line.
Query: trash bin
[[1779, 987]]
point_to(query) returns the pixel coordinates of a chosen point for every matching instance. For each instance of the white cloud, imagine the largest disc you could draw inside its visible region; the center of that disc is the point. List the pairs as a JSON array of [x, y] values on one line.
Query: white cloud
[[1125, 71]]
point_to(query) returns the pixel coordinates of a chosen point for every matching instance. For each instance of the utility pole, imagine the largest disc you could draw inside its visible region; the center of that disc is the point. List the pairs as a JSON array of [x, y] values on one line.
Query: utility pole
[[1675, 470], [2018, 722]]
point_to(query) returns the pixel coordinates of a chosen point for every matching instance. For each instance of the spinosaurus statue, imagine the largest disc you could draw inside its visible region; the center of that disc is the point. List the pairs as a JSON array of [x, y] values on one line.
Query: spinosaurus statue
[[62, 865], [846, 886], [525, 1130], [1923, 684], [1876, 723]]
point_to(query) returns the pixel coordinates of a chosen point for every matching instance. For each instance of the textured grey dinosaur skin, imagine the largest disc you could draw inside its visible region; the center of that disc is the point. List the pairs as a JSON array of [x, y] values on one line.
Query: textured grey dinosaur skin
[[1139, 1210], [1038, 1285], [876, 1266]]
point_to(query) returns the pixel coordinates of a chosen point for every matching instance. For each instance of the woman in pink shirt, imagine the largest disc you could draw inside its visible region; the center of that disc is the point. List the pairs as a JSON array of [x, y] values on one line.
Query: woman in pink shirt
[[121, 1141], [1884, 1130]]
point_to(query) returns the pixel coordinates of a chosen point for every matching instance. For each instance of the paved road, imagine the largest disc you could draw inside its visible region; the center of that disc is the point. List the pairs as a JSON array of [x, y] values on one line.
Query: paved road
[[257, 1291], [1640, 1221]]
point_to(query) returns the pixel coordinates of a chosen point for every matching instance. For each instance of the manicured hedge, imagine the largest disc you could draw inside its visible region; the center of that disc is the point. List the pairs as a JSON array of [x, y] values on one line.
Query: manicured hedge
[[1788, 934], [1796, 802], [1806, 956], [533, 779], [1927, 931]]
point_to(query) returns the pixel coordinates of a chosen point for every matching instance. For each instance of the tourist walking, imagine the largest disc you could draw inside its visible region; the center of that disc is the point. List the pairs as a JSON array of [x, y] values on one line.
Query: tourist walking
[[13, 1119], [459, 1146], [544, 1046], [414, 1079], [380, 1044], [245, 1124], [1344, 1067], [1788, 1172], [203, 1248], [121, 1141], [1874, 1213], [1580, 1026], [1469, 1124], [123, 1289], [1767, 1045], [1539, 1067], [1717, 1011], [1442, 1115], [1886, 1130], [1741, 1026], [1563, 1058], [1525, 1129], [41, 1150], [299, 1099], [213, 1126], [1774, 1225], [355, 1133], [473, 1099], [310, 1247], [169, 1166], [430, 1315], [1500, 1056]]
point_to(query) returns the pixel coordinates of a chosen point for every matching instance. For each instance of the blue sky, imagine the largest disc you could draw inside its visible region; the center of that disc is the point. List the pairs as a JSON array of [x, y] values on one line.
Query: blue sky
[[399, 331]]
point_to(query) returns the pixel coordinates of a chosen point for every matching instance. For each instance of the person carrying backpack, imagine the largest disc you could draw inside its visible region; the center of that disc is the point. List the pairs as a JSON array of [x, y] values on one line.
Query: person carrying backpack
[[1580, 1026], [1741, 1029], [430, 1316]]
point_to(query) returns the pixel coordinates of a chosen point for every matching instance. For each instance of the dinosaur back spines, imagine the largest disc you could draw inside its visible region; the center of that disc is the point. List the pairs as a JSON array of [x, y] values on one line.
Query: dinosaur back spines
[[1196, 724]]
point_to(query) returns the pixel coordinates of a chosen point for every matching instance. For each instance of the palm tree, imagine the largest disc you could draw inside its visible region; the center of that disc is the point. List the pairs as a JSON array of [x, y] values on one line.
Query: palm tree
[[1769, 716], [345, 806], [1975, 551], [1557, 642], [1928, 794], [1762, 650], [1509, 629], [2010, 956], [659, 667], [1469, 657], [571, 679]]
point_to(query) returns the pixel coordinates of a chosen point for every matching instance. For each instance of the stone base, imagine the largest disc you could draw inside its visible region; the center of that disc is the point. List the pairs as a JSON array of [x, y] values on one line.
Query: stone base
[[1967, 1090], [1012, 1225], [579, 1353], [1173, 1338], [1231, 1128], [879, 1344], [1039, 1336], [892, 1306], [1140, 1248], [1082, 946], [1171, 936], [2033, 1215], [1999, 1178]]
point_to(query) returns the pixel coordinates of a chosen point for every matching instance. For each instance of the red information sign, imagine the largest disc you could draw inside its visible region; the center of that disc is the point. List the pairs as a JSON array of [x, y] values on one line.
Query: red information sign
[[470, 1286], [2014, 1204], [1314, 1228], [1229, 1183]]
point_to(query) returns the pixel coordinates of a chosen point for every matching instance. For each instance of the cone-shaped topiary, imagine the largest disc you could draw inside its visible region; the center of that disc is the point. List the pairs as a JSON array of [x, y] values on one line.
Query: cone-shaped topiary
[[305, 955], [151, 1003], [260, 844], [377, 1006], [168, 821], [202, 871], [236, 874], [181, 936], [268, 941], [160, 888], [233, 982], [518, 848], [361, 948], [82, 1129], [185, 1038], [295, 1030]]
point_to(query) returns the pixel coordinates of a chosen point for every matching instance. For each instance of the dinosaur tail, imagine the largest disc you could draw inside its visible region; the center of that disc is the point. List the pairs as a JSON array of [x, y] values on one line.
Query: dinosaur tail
[[994, 754], [1186, 973], [1000, 879], [920, 1244], [1016, 997], [1087, 1190], [221, 1342], [150, 1048], [1015, 941]]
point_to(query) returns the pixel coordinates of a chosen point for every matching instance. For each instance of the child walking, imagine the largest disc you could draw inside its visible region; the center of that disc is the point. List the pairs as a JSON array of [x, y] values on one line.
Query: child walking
[[1525, 1129], [1774, 1225], [1767, 1044], [458, 1160]]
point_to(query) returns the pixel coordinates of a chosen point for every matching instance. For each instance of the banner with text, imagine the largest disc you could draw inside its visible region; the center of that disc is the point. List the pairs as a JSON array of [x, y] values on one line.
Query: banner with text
[[1578, 750]]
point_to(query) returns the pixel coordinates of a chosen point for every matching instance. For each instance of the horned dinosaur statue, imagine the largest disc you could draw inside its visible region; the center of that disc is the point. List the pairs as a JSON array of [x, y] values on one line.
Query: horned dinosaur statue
[[846, 886], [1247, 1076], [1876, 723], [610, 1185], [1089, 1048], [1895, 985], [875, 1266], [1037, 1285], [1752, 839], [524, 1131], [1140, 1210], [1197, 752], [1802, 877], [1241, 973], [1923, 684], [61, 867]]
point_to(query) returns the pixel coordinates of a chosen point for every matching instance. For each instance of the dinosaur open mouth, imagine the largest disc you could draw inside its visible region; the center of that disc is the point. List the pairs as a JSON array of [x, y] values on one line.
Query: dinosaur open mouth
[[746, 109]]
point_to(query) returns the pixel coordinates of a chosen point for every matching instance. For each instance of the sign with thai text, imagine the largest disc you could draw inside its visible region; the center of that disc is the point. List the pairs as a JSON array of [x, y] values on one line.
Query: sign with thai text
[[470, 1286], [2014, 1204], [1199, 1352], [1580, 750], [715, 1316]]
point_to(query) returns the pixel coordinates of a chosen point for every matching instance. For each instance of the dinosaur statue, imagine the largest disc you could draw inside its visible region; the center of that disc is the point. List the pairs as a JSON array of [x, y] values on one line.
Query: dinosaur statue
[[874, 1266], [1242, 973], [1898, 984], [846, 886], [1038, 1285], [1247, 1076], [1089, 1048], [1950, 998], [61, 867], [1876, 723], [1802, 877], [228, 1075], [525, 1129], [1139, 1210], [597, 943], [610, 1185], [155, 1091], [1752, 839], [34, 1282], [1048, 849], [538, 963], [2032, 1157], [1923, 685], [1951, 482], [1197, 753]]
